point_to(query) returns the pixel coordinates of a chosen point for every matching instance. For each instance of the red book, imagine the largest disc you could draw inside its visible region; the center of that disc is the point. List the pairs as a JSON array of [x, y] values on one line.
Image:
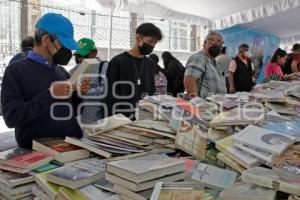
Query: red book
[[23, 158]]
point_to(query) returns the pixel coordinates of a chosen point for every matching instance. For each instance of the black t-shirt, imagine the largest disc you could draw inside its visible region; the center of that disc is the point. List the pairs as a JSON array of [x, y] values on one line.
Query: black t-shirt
[[124, 92]]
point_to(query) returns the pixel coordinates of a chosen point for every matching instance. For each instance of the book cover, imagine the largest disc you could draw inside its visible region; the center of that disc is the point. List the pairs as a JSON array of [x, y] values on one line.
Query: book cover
[[238, 117], [8, 140], [91, 192], [145, 168], [93, 149], [61, 150], [106, 124], [211, 176], [178, 191], [24, 158], [189, 140], [78, 174], [142, 195], [50, 189], [88, 67], [272, 179], [242, 191], [262, 156], [264, 139], [57, 144], [14, 169], [226, 146], [13, 179], [282, 108], [290, 128]]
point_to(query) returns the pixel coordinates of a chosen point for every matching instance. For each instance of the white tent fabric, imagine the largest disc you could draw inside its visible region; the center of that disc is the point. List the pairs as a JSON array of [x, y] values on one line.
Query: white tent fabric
[[274, 16]]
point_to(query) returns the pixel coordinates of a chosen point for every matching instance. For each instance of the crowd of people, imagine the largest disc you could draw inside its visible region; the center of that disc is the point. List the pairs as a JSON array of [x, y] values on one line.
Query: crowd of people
[[37, 97]]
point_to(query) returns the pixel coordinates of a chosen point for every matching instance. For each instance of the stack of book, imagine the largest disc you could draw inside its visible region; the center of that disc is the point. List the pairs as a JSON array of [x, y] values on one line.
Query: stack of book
[[62, 152], [82, 180], [16, 163], [135, 178], [15, 186], [125, 137]]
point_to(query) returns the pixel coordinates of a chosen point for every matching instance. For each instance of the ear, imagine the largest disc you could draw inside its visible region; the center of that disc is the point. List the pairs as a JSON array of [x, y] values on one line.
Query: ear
[[46, 40], [138, 38]]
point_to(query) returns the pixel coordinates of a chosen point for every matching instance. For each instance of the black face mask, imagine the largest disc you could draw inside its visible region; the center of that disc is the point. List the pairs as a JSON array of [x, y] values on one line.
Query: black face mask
[[214, 51], [146, 49], [62, 56]]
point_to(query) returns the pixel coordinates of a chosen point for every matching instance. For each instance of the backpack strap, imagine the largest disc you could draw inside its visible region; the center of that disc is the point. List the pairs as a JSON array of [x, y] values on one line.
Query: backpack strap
[[203, 75]]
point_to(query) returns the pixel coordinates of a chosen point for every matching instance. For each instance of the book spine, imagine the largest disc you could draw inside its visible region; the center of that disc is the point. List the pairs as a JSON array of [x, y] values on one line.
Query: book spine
[[269, 183]]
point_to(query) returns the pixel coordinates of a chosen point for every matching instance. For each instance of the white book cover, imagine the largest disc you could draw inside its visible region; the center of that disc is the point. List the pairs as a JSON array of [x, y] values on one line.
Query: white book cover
[[266, 140], [106, 124], [88, 67], [211, 176], [272, 179], [148, 163]]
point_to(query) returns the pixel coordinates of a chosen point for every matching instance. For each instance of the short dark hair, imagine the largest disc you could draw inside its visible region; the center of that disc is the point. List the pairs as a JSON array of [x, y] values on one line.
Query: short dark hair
[[243, 46], [154, 58], [223, 50], [296, 47], [38, 35], [149, 29], [279, 52], [27, 42]]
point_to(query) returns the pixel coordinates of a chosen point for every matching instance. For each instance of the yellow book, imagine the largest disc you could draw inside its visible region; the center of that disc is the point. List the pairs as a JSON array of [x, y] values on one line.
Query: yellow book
[[50, 188]]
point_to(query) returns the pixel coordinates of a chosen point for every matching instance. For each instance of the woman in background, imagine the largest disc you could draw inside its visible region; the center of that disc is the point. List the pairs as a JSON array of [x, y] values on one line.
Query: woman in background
[[160, 78], [274, 70], [174, 71]]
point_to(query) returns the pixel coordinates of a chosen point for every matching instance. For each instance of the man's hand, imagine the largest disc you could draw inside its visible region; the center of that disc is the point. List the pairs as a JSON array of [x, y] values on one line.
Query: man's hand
[[84, 87], [61, 89]]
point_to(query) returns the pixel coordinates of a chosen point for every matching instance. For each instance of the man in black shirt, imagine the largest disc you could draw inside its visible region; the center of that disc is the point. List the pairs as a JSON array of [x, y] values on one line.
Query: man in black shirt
[[130, 75]]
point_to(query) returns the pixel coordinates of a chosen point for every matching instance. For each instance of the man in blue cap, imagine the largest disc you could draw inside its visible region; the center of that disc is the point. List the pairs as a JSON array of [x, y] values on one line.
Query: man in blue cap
[[37, 100]]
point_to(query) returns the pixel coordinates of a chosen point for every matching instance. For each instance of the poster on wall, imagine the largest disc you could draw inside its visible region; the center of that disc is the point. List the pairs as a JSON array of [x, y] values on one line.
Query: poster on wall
[[262, 46]]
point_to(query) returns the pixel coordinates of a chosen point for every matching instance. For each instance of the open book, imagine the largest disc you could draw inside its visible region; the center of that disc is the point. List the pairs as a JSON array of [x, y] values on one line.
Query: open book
[[87, 69]]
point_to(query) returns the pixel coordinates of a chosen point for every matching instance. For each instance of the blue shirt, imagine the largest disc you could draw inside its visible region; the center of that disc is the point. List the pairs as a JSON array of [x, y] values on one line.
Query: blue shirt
[[38, 58]]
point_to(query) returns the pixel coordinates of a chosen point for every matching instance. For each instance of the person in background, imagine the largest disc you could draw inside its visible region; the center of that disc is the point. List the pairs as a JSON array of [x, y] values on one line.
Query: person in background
[[240, 71], [275, 66], [174, 72], [36, 98], [27, 44], [92, 111], [202, 75], [161, 81], [130, 75], [293, 61], [223, 61], [87, 49]]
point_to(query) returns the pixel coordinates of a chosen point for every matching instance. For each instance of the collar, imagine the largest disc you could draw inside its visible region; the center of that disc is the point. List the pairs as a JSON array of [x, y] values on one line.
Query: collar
[[40, 59]]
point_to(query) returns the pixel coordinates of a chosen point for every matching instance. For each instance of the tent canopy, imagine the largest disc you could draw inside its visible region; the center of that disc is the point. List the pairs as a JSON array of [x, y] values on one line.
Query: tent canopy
[[279, 17]]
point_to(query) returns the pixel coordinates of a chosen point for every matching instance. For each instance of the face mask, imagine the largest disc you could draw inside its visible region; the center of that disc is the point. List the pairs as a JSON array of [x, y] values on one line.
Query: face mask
[[146, 49], [214, 51], [62, 56]]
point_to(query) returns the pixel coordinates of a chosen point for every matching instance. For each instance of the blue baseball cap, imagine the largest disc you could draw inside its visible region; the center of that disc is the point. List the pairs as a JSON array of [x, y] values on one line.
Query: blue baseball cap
[[61, 27]]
